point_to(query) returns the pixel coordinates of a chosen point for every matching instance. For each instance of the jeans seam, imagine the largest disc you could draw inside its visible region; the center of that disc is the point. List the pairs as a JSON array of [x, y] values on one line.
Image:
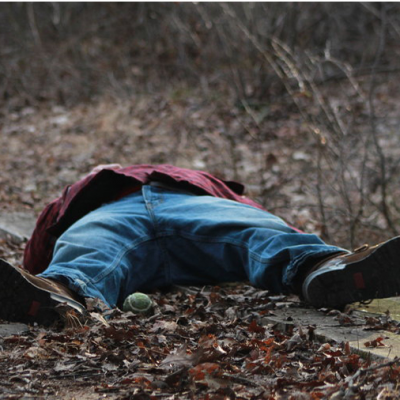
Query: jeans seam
[[120, 256], [152, 195], [238, 243]]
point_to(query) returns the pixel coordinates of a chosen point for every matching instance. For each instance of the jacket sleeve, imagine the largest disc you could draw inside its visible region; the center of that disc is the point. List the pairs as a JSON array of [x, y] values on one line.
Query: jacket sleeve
[[39, 249]]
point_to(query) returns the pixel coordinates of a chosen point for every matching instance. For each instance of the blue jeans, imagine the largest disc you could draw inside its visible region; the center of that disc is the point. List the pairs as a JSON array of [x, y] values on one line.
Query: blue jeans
[[158, 237]]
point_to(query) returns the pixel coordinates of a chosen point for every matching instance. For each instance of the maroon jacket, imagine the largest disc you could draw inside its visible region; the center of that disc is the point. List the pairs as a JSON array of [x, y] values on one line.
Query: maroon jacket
[[109, 184]]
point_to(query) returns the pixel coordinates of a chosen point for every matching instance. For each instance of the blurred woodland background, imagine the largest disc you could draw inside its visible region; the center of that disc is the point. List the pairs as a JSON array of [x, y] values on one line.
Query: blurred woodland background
[[297, 100]]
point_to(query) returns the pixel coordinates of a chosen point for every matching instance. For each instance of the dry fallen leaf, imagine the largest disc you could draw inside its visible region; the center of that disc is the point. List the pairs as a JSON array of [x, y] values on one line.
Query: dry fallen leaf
[[378, 342]]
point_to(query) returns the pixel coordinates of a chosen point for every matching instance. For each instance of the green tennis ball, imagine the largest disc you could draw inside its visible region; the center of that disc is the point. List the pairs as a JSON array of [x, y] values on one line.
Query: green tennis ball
[[138, 303]]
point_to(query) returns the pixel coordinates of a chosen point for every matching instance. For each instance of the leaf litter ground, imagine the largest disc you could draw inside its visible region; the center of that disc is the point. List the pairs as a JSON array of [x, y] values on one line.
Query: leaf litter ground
[[200, 343]]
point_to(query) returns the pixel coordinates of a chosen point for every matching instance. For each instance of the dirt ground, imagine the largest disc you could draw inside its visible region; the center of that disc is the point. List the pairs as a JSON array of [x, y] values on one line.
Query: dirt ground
[[199, 343]]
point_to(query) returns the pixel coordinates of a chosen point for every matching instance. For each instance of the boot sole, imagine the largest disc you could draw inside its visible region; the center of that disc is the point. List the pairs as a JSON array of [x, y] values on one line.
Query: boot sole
[[22, 301], [372, 277]]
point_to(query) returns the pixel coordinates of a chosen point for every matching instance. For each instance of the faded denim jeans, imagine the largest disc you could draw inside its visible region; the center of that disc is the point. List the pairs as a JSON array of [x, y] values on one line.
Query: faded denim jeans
[[157, 237]]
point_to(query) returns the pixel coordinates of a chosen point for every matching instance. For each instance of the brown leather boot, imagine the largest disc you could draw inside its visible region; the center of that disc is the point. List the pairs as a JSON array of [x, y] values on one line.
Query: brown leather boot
[[368, 273], [28, 298]]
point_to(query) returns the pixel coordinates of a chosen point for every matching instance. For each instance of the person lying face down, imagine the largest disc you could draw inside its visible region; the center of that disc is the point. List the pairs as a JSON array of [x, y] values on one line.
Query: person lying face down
[[125, 229]]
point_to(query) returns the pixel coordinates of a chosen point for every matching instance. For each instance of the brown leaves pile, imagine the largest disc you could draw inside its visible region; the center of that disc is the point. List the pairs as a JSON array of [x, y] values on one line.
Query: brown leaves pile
[[201, 343]]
